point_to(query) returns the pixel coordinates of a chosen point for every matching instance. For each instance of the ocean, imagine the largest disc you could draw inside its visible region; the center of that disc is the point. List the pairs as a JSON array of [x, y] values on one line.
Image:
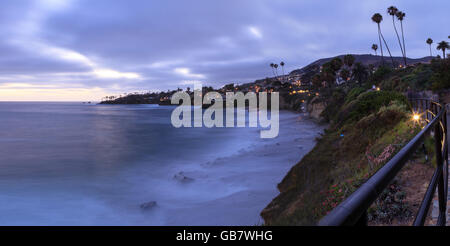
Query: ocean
[[89, 164]]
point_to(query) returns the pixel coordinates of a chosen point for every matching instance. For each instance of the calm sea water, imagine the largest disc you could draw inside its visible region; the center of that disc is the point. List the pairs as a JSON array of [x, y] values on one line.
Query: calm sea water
[[79, 164]]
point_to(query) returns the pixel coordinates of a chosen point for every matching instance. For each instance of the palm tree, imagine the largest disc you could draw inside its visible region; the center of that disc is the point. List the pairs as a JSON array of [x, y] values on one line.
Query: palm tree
[[276, 69], [400, 16], [375, 47], [443, 46], [429, 42], [393, 11], [349, 60], [377, 18], [272, 66], [360, 72], [282, 67]]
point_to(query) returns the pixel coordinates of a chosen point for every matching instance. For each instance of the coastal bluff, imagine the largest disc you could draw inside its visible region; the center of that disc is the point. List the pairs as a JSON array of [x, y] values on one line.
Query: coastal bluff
[[315, 109]]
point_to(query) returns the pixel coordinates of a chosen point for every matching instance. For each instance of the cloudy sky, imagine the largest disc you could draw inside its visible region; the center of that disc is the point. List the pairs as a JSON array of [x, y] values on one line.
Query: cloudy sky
[[75, 50]]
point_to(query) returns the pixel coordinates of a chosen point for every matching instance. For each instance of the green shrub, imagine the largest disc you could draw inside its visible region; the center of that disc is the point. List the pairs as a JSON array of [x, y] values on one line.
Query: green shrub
[[367, 103], [353, 94], [333, 105], [441, 75], [381, 73], [415, 78]]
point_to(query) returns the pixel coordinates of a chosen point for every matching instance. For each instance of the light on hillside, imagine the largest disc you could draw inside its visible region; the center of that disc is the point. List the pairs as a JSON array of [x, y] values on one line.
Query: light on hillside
[[416, 117]]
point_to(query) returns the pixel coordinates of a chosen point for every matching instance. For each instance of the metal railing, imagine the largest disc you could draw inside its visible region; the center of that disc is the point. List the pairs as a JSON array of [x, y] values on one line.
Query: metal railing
[[353, 210]]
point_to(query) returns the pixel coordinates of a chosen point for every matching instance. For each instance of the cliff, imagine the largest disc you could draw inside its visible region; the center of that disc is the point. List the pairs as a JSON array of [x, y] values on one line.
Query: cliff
[[339, 155], [367, 127], [315, 109]]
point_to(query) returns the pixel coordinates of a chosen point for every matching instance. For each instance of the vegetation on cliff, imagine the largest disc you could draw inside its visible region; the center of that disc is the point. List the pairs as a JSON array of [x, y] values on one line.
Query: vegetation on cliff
[[370, 121], [345, 156]]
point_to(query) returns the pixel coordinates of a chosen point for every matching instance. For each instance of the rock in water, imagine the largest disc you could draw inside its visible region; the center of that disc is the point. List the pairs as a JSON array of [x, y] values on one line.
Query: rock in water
[[148, 205], [182, 178]]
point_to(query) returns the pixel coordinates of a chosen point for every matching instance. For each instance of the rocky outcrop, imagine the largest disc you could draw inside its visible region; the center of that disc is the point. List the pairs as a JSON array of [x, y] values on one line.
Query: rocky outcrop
[[132, 99], [148, 205], [182, 178], [315, 108]]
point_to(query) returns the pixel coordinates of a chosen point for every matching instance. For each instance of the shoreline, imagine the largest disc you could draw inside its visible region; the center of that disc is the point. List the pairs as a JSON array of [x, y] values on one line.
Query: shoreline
[[253, 175]]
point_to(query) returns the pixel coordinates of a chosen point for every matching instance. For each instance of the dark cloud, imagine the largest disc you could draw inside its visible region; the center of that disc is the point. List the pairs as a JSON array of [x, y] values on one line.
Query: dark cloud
[[142, 45]]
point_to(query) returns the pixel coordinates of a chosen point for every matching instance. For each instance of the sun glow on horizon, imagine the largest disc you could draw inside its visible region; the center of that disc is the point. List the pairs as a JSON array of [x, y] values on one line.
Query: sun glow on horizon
[[18, 92]]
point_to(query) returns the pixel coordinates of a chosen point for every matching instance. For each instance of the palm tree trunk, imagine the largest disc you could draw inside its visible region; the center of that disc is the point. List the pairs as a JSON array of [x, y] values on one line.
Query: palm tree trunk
[[387, 47], [381, 46], [398, 38], [430, 51], [403, 39]]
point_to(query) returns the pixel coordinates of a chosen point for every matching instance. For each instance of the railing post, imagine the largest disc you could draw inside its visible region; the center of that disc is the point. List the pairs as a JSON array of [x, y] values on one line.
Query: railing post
[[441, 182], [445, 161], [363, 220], [446, 150]]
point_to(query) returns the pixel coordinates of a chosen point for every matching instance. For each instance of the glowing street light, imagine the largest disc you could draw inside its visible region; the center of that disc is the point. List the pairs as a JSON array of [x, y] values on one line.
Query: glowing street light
[[416, 117]]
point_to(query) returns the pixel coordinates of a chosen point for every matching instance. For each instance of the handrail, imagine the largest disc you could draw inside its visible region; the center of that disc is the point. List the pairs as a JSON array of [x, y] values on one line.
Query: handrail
[[353, 210]]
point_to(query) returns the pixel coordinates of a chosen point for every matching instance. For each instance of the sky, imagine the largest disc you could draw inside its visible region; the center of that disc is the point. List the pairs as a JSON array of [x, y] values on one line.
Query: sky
[[83, 50]]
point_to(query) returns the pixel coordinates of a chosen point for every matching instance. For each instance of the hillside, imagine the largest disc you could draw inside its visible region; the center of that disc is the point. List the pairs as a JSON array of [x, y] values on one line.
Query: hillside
[[365, 59], [367, 127], [306, 73]]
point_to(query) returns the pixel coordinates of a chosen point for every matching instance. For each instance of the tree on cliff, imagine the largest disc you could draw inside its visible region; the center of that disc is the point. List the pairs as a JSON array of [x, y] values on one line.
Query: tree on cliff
[[443, 46], [400, 16], [429, 42], [329, 70], [349, 60], [377, 18], [375, 47], [393, 11], [316, 81], [276, 69], [272, 66], [336, 64], [360, 72]]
